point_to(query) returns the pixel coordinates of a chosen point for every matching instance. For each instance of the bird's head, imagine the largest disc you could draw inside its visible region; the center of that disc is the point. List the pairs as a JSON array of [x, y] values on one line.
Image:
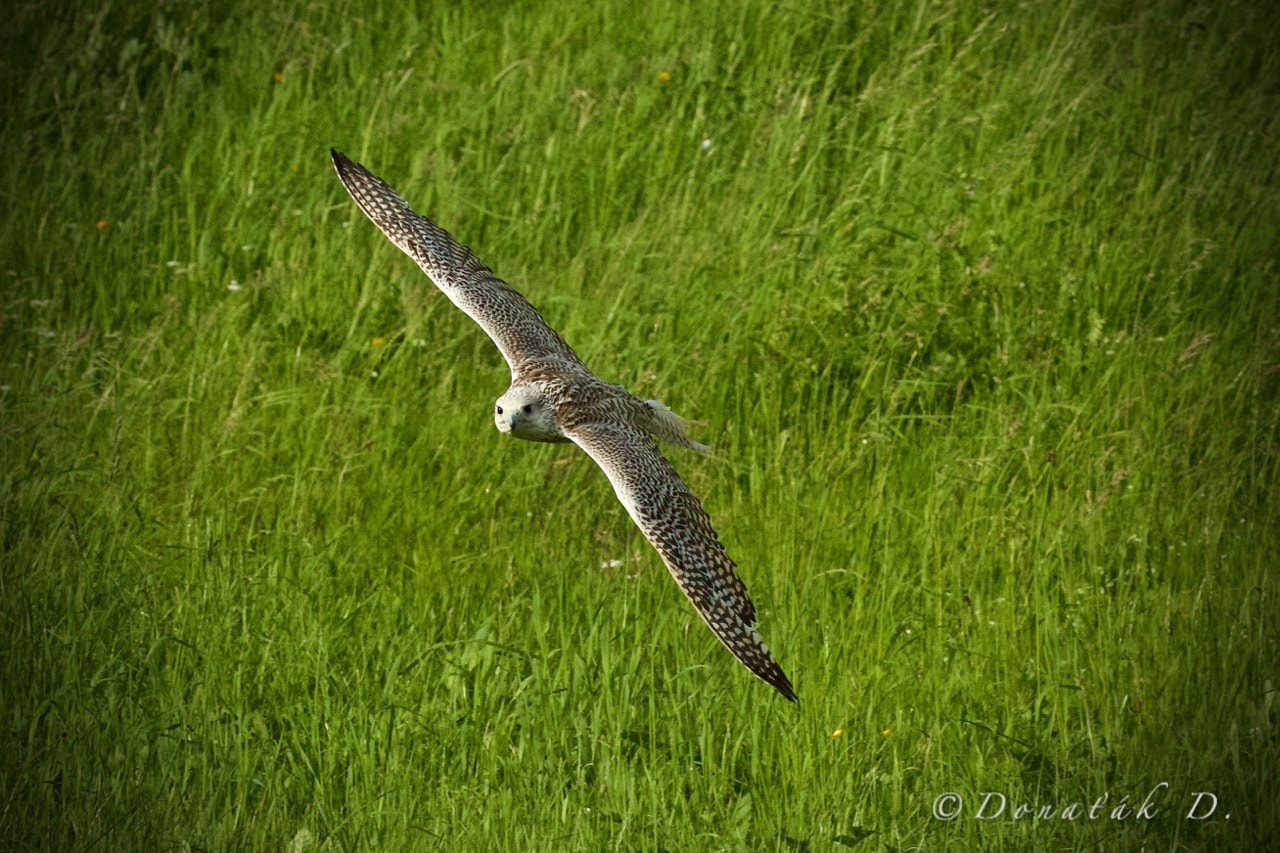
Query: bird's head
[[524, 412]]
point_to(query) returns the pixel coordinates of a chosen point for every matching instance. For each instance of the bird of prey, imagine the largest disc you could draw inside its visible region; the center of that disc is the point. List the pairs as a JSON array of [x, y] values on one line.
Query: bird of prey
[[554, 397]]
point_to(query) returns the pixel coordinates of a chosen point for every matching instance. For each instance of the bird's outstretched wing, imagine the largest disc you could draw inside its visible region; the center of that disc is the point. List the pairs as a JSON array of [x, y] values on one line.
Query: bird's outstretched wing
[[673, 521], [507, 317]]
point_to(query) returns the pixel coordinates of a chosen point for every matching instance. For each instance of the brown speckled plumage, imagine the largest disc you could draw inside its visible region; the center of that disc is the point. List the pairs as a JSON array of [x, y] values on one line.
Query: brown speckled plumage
[[554, 397]]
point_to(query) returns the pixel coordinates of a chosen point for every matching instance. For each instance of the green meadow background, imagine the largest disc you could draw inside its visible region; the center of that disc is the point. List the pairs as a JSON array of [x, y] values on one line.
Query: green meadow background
[[978, 304]]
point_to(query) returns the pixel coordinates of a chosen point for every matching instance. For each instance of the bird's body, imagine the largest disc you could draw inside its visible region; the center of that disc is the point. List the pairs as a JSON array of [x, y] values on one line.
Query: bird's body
[[554, 398]]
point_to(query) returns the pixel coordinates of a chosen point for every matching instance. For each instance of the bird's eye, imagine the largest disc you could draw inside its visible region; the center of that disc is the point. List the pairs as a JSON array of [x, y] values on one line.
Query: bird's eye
[[528, 408], [499, 410]]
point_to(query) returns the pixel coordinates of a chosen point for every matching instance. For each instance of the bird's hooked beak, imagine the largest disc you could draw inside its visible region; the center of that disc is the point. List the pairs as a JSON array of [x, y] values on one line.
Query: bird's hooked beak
[[507, 417]]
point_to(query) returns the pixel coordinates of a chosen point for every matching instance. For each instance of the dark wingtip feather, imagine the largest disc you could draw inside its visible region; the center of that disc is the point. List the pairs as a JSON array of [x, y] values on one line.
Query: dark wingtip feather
[[782, 684], [349, 170], [343, 164]]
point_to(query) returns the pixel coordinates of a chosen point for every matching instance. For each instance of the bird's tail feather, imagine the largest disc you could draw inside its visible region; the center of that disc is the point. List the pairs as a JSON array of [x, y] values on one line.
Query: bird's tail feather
[[670, 427]]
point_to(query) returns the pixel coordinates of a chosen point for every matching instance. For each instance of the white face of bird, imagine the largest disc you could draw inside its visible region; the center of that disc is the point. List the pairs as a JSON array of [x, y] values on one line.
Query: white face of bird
[[524, 413]]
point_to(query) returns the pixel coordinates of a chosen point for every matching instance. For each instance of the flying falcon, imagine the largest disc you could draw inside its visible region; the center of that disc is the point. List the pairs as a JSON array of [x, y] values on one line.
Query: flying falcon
[[554, 397]]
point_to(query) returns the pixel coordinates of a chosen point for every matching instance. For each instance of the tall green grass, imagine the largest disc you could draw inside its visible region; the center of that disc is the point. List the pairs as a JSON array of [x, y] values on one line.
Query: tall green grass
[[978, 303]]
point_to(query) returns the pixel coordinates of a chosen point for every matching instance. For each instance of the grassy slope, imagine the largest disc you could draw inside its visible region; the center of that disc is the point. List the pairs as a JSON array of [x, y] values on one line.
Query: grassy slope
[[979, 305]]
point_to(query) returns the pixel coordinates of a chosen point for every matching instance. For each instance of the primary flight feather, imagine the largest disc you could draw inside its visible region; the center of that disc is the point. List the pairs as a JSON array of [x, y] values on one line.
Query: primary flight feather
[[554, 397]]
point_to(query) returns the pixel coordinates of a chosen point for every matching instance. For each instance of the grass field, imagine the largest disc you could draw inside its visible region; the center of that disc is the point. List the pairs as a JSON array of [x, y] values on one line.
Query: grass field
[[978, 302]]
